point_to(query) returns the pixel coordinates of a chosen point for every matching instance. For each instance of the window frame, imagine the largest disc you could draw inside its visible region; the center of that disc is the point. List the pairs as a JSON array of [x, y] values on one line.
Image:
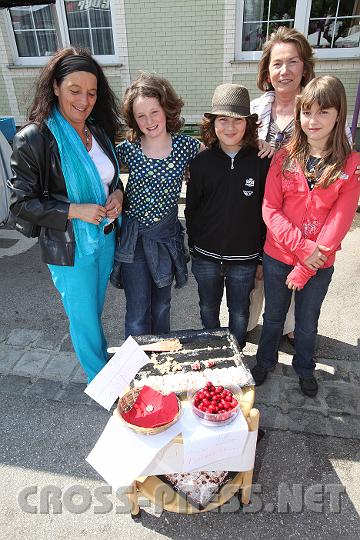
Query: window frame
[[301, 23], [62, 33]]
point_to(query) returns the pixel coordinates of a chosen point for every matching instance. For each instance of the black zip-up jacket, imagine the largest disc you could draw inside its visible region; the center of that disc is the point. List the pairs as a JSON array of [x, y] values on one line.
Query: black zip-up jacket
[[33, 147], [223, 205]]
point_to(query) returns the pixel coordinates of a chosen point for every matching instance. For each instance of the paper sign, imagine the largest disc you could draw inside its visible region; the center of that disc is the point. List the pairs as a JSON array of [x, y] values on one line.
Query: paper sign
[[113, 379], [204, 445], [170, 459], [121, 455]]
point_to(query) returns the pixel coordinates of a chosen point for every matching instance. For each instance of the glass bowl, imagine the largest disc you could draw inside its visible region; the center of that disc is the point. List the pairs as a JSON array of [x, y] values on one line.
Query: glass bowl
[[208, 417]]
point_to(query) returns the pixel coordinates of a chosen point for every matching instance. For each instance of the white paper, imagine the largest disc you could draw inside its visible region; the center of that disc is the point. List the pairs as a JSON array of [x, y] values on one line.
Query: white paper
[[170, 459], [204, 445], [120, 455], [113, 379]]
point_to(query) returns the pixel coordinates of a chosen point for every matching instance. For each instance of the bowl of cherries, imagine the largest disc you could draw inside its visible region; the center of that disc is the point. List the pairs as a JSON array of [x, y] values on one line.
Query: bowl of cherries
[[215, 405]]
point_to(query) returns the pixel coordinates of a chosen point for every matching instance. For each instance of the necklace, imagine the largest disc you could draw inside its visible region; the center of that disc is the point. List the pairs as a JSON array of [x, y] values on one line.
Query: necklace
[[87, 138]]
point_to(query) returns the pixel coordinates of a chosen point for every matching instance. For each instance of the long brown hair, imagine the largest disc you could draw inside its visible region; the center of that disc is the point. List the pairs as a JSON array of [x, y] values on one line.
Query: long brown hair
[[285, 35], [153, 86], [106, 109], [327, 92], [208, 134]]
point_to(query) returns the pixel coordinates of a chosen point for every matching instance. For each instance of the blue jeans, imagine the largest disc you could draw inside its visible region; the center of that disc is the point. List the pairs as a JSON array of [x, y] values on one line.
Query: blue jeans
[[82, 288], [147, 306], [238, 279], [307, 311]]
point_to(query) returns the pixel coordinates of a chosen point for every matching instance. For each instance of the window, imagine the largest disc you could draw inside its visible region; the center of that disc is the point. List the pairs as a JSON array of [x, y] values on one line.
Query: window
[[334, 25], [40, 30], [89, 25], [261, 18], [34, 30], [331, 26]]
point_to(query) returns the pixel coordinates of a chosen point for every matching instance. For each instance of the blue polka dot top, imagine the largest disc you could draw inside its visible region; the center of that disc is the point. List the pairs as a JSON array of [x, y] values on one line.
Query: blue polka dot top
[[154, 185]]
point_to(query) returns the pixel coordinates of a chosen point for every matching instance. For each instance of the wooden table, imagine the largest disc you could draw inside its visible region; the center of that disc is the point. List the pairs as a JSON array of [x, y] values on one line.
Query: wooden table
[[164, 496]]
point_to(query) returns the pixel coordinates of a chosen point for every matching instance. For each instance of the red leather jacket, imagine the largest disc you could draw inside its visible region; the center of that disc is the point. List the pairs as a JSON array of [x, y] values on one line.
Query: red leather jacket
[[298, 219]]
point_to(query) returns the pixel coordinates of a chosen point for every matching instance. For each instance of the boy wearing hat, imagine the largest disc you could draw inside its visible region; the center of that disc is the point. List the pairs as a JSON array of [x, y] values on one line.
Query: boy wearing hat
[[223, 209]]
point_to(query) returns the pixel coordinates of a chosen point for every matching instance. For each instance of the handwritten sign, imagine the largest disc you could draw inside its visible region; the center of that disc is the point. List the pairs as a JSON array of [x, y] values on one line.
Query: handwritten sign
[[113, 379], [204, 445]]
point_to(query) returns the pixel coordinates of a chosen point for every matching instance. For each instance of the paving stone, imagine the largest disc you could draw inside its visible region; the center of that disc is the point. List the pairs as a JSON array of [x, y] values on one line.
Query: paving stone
[[3, 334], [268, 415], [343, 397], [66, 344], [303, 420], [14, 384], [8, 358], [44, 388], [31, 364], [47, 341], [292, 394], [269, 392], [22, 337], [79, 376], [60, 366], [74, 393], [344, 426], [355, 378], [333, 370]]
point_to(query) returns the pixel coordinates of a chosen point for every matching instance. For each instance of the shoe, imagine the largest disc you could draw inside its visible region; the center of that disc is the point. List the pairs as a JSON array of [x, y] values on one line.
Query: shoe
[[309, 386], [259, 374], [290, 340]]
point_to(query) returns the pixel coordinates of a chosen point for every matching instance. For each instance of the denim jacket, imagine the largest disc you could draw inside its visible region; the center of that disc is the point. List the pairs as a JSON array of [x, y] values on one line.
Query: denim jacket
[[163, 244]]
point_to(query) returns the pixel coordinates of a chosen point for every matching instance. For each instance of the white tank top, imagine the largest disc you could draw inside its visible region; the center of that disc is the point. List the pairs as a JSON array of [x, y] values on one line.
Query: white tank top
[[103, 164]]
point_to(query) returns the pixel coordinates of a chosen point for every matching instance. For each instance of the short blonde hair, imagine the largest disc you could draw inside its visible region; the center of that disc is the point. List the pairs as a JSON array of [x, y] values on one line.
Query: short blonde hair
[[285, 35]]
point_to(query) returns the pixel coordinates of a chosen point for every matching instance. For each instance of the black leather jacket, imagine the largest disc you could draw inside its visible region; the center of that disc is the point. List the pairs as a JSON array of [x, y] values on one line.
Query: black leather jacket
[[34, 150]]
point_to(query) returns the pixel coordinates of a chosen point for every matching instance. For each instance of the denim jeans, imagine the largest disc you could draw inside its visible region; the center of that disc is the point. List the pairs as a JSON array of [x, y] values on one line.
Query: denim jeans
[[147, 306], [239, 281], [307, 311]]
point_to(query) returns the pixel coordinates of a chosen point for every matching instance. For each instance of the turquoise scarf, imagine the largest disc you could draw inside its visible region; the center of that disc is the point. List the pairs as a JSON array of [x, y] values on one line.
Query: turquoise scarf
[[82, 179]]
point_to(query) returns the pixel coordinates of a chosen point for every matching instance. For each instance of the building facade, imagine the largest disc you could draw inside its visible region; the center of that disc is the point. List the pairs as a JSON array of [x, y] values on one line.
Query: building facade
[[196, 44]]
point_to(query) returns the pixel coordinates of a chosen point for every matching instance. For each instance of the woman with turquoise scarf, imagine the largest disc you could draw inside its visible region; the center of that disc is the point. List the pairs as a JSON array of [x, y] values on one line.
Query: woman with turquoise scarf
[[67, 181]]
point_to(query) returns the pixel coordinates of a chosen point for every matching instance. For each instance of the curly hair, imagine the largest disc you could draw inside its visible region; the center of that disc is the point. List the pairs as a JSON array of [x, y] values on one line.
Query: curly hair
[[285, 35], [328, 92], [208, 134], [152, 86], [106, 109]]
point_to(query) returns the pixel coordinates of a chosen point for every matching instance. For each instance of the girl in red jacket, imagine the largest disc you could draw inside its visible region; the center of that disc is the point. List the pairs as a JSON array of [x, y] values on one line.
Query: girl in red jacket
[[311, 196]]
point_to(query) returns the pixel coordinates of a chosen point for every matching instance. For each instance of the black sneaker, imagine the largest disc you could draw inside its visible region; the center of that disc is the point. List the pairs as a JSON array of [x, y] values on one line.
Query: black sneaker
[[259, 374], [309, 386]]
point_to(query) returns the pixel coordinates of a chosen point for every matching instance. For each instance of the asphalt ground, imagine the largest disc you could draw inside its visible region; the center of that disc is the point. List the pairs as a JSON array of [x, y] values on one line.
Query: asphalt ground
[[307, 464]]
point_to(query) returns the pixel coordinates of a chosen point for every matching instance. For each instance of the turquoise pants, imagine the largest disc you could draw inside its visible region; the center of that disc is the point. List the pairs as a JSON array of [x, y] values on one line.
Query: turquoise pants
[[82, 288]]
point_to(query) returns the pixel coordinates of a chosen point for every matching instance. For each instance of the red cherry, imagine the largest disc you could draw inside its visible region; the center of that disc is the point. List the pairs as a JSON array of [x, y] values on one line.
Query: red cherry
[[209, 384], [234, 403], [221, 388], [215, 410], [200, 395], [228, 398]]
